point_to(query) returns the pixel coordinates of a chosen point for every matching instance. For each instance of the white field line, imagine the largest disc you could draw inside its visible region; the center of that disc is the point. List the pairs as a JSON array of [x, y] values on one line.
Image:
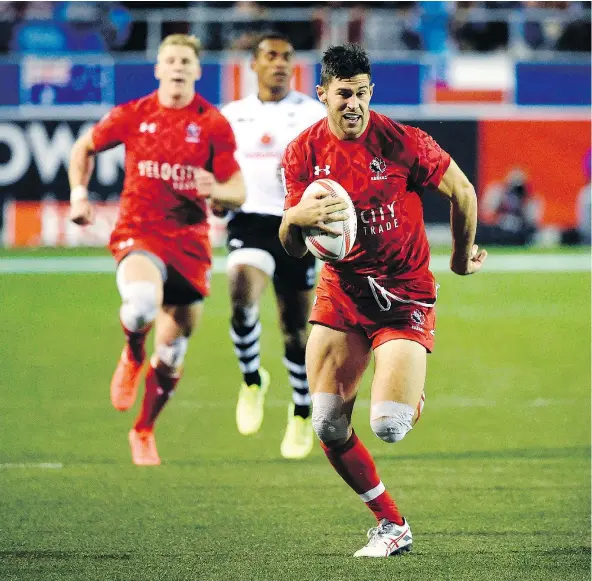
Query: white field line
[[439, 264], [435, 403], [42, 465]]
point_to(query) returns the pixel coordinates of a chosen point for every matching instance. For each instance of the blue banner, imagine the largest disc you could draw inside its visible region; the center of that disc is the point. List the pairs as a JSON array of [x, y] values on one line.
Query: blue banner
[[395, 83], [553, 84], [75, 80], [9, 88], [134, 80]]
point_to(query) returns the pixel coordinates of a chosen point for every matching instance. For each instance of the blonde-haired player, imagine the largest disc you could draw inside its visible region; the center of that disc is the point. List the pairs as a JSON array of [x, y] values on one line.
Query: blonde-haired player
[[179, 154]]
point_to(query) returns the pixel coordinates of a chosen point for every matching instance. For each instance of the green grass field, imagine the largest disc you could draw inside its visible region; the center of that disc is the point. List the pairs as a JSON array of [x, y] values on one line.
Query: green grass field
[[495, 479]]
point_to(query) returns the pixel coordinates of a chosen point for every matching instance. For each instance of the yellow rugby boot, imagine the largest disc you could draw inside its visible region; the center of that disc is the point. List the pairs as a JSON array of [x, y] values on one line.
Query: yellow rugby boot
[[299, 438], [249, 408]]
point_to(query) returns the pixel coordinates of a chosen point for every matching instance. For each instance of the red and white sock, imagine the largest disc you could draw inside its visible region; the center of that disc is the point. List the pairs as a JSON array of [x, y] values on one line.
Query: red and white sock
[[136, 342], [355, 465], [159, 388]]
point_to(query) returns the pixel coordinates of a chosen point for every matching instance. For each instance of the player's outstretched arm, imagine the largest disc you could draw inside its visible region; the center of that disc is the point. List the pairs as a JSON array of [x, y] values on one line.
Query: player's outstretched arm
[[466, 257], [82, 163]]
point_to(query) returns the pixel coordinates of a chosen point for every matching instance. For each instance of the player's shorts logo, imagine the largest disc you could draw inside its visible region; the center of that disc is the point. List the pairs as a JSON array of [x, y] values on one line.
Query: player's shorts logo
[[192, 133], [319, 169], [378, 166], [417, 320]]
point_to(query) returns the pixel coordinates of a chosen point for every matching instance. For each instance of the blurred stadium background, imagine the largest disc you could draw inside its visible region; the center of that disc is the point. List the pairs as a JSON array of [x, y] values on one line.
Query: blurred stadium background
[[496, 479]]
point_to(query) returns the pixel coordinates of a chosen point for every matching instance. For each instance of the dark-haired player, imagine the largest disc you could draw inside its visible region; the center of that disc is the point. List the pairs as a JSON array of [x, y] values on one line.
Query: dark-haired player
[[179, 153], [380, 299], [264, 123]]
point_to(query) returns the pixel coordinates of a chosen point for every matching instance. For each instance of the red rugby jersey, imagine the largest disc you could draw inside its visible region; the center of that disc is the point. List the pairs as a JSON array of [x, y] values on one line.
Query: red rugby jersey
[[385, 172], [163, 149]]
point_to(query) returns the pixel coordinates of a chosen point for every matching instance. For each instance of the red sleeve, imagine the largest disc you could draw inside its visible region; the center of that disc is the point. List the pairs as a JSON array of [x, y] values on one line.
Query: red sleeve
[[294, 175], [112, 129], [222, 161], [431, 161]]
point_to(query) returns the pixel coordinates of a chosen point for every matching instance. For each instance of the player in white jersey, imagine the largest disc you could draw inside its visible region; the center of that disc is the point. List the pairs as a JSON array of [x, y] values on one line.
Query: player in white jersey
[[264, 123]]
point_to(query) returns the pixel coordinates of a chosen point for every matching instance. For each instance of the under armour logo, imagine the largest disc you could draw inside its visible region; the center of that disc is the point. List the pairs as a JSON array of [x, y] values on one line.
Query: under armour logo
[[147, 127], [125, 243], [326, 169]]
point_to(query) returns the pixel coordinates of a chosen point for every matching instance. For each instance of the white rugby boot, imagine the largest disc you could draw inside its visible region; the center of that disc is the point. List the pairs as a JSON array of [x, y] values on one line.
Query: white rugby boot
[[387, 540]]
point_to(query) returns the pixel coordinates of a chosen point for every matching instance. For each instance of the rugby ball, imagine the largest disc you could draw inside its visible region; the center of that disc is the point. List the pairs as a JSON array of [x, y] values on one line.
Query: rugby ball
[[325, 246]]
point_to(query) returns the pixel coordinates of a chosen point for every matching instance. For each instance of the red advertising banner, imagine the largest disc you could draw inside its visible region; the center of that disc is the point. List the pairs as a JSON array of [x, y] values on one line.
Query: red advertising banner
[[549, 154], [47, 223]]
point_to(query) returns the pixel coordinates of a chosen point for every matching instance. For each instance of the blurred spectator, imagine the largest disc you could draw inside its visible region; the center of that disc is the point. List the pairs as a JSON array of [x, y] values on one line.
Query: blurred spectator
[[475, 32], [250, 21], [432, 26], [511, 213], [576, 35], [533, 33], [71, 27], [385, 26], [435, 19]]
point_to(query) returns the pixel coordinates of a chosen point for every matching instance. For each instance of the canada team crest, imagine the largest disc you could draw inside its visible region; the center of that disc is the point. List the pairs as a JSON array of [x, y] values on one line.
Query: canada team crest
[[378, 166], [417, 320], [192, 133]]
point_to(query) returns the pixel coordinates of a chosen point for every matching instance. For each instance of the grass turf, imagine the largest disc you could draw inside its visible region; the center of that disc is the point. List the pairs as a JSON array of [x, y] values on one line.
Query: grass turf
[[495, 479]]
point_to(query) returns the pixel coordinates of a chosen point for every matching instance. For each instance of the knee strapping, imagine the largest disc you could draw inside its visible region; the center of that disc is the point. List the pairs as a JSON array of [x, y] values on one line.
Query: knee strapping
[[139, 306], [173, 354], [391, 420], [328, 420]]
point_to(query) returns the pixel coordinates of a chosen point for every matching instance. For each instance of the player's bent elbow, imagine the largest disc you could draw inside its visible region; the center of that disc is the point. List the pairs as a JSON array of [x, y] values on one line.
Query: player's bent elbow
[[464, 194]]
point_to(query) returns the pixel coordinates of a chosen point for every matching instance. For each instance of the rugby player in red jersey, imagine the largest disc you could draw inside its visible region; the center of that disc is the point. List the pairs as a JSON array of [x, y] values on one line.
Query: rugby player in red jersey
[[179, 154], [380, 299]]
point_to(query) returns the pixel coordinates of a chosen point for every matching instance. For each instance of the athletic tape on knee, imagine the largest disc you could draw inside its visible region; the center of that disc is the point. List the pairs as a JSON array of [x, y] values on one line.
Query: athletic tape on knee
[[391, 420], [173, 354], [139, 306], [328, 420]]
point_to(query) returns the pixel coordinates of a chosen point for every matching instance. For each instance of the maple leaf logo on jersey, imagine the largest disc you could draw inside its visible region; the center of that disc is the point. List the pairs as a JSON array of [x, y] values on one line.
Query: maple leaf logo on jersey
[[417, 319], [192, 133], [378, 166]]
